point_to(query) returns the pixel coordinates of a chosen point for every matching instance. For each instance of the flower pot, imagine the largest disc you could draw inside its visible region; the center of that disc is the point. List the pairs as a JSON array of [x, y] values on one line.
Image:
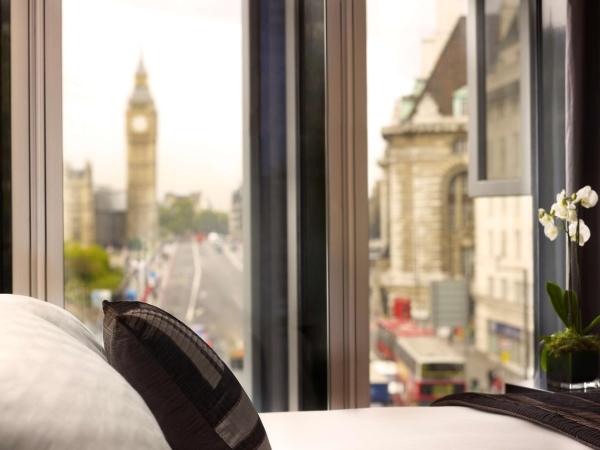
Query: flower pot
[[573, 367]]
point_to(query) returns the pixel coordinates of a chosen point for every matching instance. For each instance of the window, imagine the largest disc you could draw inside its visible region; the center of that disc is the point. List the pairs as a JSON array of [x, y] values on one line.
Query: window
[[153, 164], [410, 225], [160, 170], [499, 87], [459, 232], [504, 294], [447, 275]]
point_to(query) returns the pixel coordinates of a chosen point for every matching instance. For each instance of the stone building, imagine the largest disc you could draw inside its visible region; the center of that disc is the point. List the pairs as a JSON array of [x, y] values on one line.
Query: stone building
[[429, 229], [426, 214], [141, 125], [79, 219], [502, 287]]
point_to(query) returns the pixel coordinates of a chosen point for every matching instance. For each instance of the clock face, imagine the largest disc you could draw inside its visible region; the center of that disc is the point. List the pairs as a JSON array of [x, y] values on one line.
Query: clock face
[[139, 124]]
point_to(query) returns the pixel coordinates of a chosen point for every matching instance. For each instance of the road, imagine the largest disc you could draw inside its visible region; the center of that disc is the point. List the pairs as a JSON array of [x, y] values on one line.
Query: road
[[202, 286]]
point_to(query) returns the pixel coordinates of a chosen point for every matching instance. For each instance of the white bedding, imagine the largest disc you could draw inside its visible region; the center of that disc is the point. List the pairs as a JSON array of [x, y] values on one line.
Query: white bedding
[[439, 428]]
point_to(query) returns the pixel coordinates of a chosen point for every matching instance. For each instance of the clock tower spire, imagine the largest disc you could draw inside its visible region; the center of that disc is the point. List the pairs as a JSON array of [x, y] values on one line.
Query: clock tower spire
[[141, 124]]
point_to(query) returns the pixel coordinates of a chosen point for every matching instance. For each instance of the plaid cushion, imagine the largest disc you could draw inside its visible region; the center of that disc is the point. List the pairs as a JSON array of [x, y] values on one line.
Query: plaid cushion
[[197, 401]]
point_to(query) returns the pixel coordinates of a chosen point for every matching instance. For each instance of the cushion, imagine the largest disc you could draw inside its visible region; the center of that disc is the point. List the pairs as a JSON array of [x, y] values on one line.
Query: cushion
[[196, 399], [57, 391]]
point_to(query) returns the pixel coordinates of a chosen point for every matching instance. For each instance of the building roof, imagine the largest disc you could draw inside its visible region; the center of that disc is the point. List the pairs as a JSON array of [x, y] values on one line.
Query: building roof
[[448, 74], [430, 349], [141, 92]]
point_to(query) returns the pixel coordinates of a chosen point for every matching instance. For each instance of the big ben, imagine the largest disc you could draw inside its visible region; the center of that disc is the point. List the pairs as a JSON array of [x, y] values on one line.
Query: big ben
[[142, 213]]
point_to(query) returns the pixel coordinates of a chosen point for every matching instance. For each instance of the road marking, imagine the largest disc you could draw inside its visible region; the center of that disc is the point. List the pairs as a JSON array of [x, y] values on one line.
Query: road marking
[[189, 316]]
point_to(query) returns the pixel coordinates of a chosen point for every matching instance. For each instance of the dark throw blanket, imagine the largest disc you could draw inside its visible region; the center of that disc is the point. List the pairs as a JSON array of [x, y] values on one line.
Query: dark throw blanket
[[575, 415]]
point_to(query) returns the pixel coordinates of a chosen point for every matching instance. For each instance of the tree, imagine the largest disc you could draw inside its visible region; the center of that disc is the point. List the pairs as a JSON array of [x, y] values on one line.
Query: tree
[[89, 268], [210, 220], [178, 218]]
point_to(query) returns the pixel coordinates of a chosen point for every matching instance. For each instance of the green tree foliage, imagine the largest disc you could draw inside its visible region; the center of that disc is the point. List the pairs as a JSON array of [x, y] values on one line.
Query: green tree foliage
[[179, 219], [209, 220], [89, 268]]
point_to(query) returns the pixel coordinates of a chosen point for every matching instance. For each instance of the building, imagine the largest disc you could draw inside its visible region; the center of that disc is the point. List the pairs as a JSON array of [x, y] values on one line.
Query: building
[[111, 217], [429, 229], [426, 217], [235, 216], [79, 216], [446, 13], [141, 126], [502, 287]]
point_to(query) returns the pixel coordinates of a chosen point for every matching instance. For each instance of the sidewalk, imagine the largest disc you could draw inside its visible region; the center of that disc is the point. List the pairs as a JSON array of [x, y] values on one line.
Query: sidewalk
[[235, 256]]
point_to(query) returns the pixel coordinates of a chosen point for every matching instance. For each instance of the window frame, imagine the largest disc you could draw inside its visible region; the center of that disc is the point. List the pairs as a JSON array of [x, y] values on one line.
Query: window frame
[[37, 172], [36, 110], [36, 169], [5, 149], [347, 203], [479, 186]]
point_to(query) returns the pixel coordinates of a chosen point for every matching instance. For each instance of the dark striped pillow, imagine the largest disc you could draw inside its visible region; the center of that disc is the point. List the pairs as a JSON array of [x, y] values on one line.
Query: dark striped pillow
[[197, 401]]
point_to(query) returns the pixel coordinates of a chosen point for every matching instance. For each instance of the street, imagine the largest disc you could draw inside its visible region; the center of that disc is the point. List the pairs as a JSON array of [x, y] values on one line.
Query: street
[[203, 286]]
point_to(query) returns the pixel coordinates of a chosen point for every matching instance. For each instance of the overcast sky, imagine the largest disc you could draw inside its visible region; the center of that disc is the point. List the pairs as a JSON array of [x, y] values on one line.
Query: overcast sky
[[192, 51]]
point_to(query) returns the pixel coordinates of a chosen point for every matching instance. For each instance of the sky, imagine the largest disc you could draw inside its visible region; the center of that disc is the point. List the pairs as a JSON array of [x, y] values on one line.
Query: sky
[[395, 29], [192, 50]]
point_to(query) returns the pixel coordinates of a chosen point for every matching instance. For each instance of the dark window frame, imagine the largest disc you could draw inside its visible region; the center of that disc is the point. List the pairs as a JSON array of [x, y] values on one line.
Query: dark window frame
[[5, 151]]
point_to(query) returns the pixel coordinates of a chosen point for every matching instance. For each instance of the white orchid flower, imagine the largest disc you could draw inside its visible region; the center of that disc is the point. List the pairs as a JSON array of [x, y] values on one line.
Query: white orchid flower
[[559, 209], [551, 231], [544, 217], [584, 232], [587, 197], [571, 212]]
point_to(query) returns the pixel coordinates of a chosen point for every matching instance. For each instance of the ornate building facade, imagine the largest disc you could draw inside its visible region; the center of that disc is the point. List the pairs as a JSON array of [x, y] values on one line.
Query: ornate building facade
[[426, 221], [427, 229], [141, 125], [79, 214]]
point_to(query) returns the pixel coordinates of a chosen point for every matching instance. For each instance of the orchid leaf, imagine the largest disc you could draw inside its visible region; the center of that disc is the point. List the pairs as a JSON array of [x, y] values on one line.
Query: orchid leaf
[[592, 325], [556, 295], [572, 302]]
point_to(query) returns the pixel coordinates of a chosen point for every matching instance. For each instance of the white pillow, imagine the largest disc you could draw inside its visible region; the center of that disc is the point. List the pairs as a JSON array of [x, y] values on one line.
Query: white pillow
[[56, 389]]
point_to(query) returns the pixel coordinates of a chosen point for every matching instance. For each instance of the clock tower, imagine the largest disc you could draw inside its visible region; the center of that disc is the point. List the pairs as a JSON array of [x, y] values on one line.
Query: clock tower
[[141, 121]]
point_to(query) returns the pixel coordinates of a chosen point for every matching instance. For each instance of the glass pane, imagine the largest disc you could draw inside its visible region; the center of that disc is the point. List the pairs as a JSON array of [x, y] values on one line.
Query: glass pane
[[502, 89], [450, 275], [153, 187], [158, 171], [5, 150]]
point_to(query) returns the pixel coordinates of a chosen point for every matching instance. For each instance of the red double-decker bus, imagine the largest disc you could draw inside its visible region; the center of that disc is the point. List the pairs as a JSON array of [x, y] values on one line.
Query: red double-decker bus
[[428, 369], [388, 330]]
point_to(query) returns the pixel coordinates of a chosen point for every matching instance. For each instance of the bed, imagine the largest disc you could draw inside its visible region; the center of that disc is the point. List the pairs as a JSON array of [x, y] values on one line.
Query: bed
[[421, 428], [58, 392]]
